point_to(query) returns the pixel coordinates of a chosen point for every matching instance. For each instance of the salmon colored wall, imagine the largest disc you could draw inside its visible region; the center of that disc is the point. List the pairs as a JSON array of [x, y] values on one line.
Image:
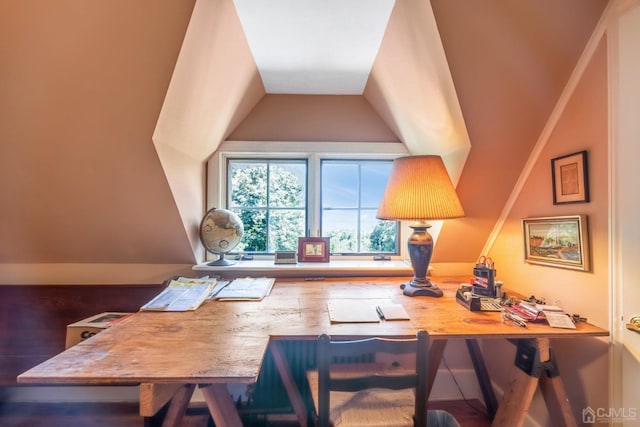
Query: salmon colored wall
[[82, 85], [313, 118], [214, 85], [508, 87], [583, 125]]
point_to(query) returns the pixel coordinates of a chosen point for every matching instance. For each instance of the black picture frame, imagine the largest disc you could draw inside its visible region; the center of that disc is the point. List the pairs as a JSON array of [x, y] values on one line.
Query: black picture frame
[[570, 178]]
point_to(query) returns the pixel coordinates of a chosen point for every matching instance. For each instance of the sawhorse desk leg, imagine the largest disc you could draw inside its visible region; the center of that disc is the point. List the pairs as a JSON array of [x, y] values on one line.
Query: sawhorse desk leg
[[295, 397], [534, 366], [490, 401], [178, 406], [436, 350], [220, 404]]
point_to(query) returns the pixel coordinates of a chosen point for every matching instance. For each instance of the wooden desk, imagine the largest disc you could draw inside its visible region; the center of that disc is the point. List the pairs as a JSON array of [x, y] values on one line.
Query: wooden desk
[[225, 342]]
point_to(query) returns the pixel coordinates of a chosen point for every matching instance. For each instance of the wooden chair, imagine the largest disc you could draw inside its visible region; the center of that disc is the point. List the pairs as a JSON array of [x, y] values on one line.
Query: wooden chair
[[389, 389]]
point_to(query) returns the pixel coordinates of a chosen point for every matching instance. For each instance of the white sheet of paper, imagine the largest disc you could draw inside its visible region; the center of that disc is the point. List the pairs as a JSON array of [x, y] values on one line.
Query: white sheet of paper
[[393, 311], [559, 320]]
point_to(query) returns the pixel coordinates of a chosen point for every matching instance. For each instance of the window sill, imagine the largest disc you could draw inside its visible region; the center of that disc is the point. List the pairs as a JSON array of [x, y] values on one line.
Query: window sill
[[337, 268]]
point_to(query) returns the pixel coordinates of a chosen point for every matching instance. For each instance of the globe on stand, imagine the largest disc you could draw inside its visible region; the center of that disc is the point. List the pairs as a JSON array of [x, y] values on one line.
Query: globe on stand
[[220, 231]]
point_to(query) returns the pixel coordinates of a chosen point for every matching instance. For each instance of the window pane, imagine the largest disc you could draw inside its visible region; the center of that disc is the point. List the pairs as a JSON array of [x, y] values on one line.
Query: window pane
[[374, 180], [377, 235], [287, 184], [350, 195], [270, 198], [255, 230], [341, 226], [248, 186], [339, 185], [285, 226]]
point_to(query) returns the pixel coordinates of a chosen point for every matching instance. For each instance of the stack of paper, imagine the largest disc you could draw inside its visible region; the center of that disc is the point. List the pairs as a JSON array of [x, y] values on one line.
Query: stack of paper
[[248, 288], [180, 296]]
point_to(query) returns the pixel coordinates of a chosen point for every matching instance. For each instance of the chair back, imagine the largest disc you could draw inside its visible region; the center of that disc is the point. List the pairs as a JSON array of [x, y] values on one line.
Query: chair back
[[358, 377]]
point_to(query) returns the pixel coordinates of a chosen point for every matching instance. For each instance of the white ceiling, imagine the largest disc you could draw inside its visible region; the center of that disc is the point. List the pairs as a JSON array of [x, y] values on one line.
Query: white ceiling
[[321, 47]]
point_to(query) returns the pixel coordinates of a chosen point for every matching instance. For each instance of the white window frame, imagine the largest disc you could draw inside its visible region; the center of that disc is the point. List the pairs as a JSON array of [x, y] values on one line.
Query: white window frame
[[313, 152]]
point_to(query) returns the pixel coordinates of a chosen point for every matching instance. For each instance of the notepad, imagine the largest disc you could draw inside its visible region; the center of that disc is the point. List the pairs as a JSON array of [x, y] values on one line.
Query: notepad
[[352, 311], [365, 311], [393, 311]]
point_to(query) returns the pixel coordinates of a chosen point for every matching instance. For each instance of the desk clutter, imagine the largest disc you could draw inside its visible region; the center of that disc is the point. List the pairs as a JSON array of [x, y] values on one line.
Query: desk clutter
[[484, 293], [187, 294]]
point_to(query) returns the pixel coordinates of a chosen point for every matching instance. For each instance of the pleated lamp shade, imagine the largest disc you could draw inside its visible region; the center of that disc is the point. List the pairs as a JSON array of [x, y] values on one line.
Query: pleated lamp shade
[[419, 188]]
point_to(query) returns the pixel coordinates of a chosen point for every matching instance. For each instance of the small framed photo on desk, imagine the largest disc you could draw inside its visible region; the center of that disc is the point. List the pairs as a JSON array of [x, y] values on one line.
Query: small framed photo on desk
[[313, 249]]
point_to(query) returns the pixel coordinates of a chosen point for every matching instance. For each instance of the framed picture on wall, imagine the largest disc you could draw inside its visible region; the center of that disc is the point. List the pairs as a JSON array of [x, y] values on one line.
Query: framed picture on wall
[[560, 241], [570, 178], [313, 249]]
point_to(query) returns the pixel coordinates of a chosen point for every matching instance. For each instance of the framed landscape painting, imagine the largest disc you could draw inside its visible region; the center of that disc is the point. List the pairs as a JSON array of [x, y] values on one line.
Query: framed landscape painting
[[560, 241]]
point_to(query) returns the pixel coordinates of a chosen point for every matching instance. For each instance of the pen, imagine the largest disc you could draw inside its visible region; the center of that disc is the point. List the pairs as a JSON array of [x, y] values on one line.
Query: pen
[[380, 313]]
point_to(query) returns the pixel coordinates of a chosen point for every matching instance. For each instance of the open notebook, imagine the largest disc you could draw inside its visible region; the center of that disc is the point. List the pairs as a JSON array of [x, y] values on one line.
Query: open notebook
[[365, 311]]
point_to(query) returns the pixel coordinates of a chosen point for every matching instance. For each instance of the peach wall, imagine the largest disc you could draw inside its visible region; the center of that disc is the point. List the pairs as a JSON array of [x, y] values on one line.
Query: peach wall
[[82, 84], [84, 197], [509, 67], [583, 125], [313, 118], [215, 83]]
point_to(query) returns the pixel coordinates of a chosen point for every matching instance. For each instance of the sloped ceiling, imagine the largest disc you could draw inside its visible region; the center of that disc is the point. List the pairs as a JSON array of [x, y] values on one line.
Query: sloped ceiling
[[472, 81], [510, 61], [314, 47], [110, 109]]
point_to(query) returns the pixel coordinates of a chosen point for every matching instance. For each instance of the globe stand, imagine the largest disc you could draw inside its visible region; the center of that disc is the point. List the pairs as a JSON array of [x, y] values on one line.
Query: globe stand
[[221, 262]]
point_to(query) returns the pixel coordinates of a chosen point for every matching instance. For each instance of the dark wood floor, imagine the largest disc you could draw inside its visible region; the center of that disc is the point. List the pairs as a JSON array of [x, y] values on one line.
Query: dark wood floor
[[468, 414]]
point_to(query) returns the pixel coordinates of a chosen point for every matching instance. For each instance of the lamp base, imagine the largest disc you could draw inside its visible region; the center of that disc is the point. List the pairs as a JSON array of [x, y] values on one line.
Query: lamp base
[[417, 289], [420, 245]]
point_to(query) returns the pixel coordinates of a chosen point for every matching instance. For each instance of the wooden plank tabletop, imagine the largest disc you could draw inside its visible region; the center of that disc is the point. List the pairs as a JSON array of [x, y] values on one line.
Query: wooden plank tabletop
[[441, 317], [225, 342]]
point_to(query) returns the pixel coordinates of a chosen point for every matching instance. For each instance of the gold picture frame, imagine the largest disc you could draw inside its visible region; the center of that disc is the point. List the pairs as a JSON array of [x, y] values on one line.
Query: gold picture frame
[[570, 178], [313, 249], [560, 241]]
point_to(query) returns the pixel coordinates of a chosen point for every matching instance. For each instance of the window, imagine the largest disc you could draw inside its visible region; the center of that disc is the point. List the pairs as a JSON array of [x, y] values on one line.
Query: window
[[351, 191], [298, 192]]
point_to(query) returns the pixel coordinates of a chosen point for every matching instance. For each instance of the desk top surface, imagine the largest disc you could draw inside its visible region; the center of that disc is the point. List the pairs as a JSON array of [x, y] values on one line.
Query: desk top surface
[[225, 341]]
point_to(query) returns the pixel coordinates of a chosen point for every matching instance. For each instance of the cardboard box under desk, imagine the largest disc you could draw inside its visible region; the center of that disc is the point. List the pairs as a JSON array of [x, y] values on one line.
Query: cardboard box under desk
[[85, 328]]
